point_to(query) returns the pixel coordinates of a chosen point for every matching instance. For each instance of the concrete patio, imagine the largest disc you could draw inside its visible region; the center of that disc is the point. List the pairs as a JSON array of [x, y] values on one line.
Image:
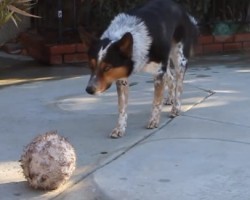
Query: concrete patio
[[202, 154]]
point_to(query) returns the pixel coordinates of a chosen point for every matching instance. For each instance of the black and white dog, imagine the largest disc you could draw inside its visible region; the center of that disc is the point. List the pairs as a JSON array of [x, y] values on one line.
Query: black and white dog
[[147, 38]]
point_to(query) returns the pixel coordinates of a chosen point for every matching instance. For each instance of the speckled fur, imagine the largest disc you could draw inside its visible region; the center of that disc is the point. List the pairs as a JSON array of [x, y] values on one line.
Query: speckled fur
[[175, 78], [159, 86], [123, 23], [122, 91], [148, 38], [48, 161]]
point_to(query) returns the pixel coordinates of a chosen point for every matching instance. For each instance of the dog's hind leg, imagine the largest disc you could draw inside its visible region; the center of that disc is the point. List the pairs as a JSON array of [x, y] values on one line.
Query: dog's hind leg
[[122, 91], [159, 87], [170, 85], [180, 64]]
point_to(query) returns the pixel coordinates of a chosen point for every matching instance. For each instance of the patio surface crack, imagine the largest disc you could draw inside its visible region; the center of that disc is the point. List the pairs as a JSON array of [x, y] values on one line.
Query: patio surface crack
[[140, 141]]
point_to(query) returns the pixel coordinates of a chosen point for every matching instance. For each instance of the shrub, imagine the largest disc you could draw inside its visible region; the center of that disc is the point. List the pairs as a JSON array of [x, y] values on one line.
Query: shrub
[[11, 9]]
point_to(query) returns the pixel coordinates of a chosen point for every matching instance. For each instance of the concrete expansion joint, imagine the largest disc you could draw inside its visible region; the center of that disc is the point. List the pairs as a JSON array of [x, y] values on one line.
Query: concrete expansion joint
[[202, 89], [119, 155], [210, 93], [141, 141], [199, 138], [216, 121]]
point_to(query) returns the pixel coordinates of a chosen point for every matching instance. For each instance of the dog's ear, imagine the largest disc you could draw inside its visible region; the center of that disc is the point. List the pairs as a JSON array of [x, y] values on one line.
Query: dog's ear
[[126, 45], [87, 38]]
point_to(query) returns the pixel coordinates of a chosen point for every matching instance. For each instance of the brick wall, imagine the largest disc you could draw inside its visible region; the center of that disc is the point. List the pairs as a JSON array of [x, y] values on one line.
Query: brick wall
[[208, 44], [55, 54], [67, 53]]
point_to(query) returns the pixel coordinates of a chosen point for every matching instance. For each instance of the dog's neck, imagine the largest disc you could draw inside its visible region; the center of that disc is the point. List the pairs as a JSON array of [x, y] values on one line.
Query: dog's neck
[[124, 23]]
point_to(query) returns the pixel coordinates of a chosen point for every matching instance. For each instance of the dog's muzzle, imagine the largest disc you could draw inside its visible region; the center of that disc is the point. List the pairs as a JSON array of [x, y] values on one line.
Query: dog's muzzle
[[96, 87], [91, 90], [92, 85]]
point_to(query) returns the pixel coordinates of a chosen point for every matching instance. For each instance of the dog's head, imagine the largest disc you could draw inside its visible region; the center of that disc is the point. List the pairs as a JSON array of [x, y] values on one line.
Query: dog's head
[[109, 61]]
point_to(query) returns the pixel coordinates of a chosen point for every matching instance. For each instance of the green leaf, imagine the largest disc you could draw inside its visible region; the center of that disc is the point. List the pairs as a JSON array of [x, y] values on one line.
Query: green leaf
[[21, 12], [14, 20], [9, 10]]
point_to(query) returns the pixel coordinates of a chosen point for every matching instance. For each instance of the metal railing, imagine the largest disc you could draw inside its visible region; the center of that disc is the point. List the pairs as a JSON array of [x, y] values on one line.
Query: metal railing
[[57, 16], [212, 15]]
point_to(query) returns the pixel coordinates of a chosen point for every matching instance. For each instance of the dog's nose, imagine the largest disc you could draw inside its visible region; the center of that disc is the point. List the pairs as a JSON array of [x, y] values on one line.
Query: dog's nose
[[90, 90]]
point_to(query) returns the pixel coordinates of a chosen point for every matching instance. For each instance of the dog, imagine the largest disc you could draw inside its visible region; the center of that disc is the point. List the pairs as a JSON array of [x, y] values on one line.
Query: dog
[[156, 37]]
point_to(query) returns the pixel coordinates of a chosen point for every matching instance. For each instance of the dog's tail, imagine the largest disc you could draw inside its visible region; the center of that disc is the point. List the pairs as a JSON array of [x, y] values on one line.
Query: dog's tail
[[191, 36]]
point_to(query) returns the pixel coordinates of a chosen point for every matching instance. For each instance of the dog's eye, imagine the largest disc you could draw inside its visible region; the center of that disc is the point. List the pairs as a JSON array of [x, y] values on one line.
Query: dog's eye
[[107, 68]]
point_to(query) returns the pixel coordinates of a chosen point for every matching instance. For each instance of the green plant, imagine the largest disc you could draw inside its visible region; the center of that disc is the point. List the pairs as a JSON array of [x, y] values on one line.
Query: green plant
[[98, 13], [12, 9]]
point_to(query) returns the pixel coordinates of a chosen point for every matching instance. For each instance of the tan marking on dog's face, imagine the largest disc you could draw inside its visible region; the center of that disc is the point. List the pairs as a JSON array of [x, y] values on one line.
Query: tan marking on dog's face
[[109, 74], [115, 73], [105, 74]]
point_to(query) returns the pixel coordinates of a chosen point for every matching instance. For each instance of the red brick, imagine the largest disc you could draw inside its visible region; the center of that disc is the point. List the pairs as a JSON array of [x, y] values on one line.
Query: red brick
[[246, 45], [212, 48], [34, 45], [81, 47], [37, 53], [55, 60], [62, 49], [31, 39], [223, 38], [242, 37], [75, 58], [198, 50], [205, 39], [233, 46]]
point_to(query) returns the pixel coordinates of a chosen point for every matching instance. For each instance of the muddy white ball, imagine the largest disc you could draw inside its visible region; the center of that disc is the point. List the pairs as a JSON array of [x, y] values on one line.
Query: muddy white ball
[[48, 161]]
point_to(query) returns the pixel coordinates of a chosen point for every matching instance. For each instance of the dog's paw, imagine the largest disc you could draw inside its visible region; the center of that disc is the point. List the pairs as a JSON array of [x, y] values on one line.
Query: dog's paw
[[167, 101], [174, 113], [153, 123], [117, 133]]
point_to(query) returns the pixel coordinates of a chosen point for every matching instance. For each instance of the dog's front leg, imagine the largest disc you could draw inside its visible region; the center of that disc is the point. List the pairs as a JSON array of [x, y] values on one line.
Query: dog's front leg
[[122, 91], [159, 86]]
